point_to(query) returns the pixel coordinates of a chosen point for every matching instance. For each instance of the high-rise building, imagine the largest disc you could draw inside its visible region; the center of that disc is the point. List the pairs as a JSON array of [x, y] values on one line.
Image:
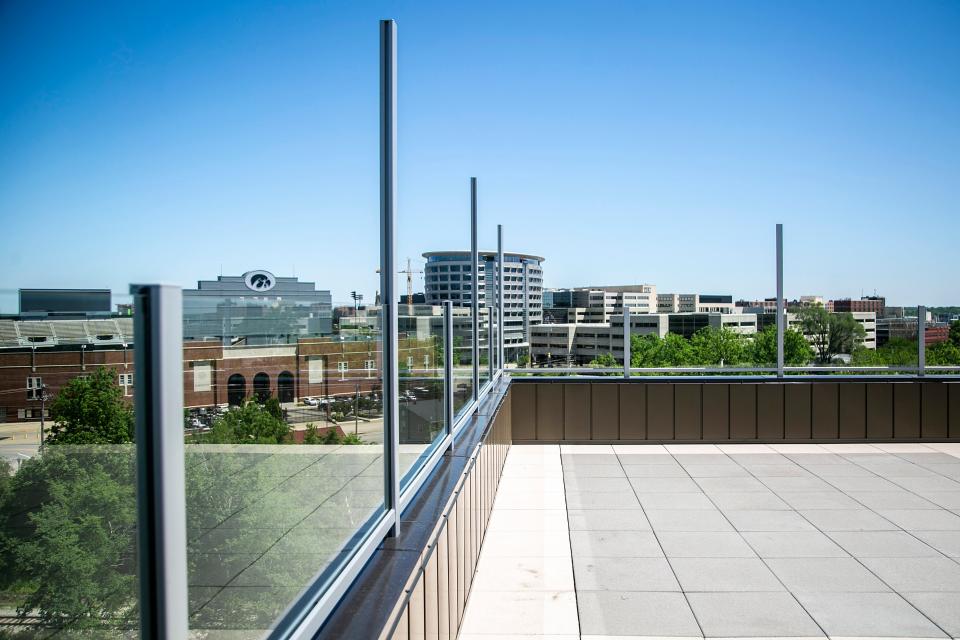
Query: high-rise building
[[866, 304], [694, 303], [449, 276]]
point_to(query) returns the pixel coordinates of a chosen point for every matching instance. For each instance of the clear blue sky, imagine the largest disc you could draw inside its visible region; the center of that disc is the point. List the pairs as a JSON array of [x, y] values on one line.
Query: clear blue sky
[[626, 142]]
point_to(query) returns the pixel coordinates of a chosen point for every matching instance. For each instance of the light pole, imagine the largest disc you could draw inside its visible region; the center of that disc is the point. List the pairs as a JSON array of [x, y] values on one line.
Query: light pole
[[43, 408], [356, 411]]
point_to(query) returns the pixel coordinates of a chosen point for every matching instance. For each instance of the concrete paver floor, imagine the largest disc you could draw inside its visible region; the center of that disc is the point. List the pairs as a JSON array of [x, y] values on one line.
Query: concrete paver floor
[[722, 541]]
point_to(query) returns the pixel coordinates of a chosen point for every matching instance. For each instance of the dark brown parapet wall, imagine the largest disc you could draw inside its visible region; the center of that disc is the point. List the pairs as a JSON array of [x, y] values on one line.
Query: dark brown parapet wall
[[847, 409]]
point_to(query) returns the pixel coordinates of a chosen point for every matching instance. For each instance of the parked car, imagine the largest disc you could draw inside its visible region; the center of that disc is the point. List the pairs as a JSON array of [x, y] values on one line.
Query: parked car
[[311, 402]]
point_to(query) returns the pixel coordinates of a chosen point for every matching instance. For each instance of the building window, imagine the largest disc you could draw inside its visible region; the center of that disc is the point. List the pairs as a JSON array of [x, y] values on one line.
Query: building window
[[314, 370], [126, 381], [370, 366], [202, 376], [34, 383], [342, 369], [410, 362]]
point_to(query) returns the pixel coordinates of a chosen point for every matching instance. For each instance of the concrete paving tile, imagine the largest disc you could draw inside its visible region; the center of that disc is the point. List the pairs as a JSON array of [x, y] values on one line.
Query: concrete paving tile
[[883, 544], [531, 500], [608, 520], [749, 502], [768, 521], [716, 471], [781, 485], [794, 448], [903, 447], [588, 458], [724, 574], [595, 471], [842, 470], [878, 500], [694, 449], [731, 485], [600, 485], [831, 499], [634, 613], [945, 499], [785, 470], [922, 519], [588, 500], [867, 614], [675, 501], [655, 471], [614, 544], [718, 458], [946, 542], [693, 520], [844, 520], [704, 544], [552, 543], [938, 484], [664, 485], [524, 612], [750, 460], [793, 544], [662, 458], [941, 608], [624, 574], [530, 573], [950, 470], [927, 459], [825, 575], [743, 615], [588, 449], [917, 574], [641, 449], [874, 483], [746, 448], [509, 520]]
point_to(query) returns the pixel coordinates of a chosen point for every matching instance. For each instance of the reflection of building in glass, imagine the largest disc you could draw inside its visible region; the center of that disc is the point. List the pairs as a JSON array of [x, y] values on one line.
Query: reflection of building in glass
[[256, 308]]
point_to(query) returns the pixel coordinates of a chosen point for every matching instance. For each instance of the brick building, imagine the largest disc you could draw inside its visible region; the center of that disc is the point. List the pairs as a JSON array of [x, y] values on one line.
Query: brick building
[[213, 374]]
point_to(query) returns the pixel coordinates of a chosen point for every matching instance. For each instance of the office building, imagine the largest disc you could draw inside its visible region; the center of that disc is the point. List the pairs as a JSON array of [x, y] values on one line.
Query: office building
[[449, 276], [256, 308], [694, 303]]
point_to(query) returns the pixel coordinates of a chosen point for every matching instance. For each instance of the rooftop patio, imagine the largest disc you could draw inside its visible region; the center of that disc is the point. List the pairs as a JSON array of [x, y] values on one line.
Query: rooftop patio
[[740, 540]]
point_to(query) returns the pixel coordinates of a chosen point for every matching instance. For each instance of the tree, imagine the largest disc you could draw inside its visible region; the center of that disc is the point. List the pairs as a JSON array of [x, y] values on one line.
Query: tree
[[91, 410], [250, 423], [67, 537], [645, 351], [845, 333], [943, 354], [830, 333], [762, 350], [717, 346], [955, 333], [676, 351], [604, 360], [897, 353]]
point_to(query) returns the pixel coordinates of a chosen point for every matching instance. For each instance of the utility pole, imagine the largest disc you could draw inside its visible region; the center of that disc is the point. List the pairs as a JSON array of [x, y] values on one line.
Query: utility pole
[[43, 408]]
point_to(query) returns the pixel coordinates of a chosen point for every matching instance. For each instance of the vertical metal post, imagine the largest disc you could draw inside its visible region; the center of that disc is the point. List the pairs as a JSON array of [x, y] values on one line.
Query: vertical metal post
[[475, 293], [491, 341], [526, 307], [501, 267], [921, 340], [161, 480], [388, 264], [448, 382], [781, 317], [626, 341]]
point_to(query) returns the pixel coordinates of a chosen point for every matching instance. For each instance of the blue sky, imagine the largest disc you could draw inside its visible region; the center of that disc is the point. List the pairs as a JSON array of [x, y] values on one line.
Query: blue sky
[[625, 142]]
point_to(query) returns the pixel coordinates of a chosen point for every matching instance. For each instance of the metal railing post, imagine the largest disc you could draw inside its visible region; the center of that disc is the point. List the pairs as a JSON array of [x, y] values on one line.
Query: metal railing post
[[388, 264], [161, 475], [626, 341], [491, 351], [921, 340], [781, 317], [448, 368], [475, 293], [501, 333]]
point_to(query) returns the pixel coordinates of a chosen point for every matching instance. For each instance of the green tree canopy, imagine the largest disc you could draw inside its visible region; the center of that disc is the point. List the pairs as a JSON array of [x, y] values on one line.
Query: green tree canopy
[[91, 410], [762, 350], [955, 333], [717, 346], [251, 423], [831, 333]]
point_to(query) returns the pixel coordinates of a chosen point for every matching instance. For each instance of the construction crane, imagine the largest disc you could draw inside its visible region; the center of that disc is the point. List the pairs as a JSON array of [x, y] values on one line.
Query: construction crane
[[409, 271]]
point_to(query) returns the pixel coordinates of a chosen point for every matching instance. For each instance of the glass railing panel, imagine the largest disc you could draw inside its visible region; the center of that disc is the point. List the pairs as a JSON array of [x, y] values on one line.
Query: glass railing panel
[[485, 338], [422, 386], [463, 391], [284, 468], [68, 503]]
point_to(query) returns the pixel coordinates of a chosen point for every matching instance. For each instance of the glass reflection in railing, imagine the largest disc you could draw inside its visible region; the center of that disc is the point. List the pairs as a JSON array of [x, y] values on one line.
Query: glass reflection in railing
[[284, 464]]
